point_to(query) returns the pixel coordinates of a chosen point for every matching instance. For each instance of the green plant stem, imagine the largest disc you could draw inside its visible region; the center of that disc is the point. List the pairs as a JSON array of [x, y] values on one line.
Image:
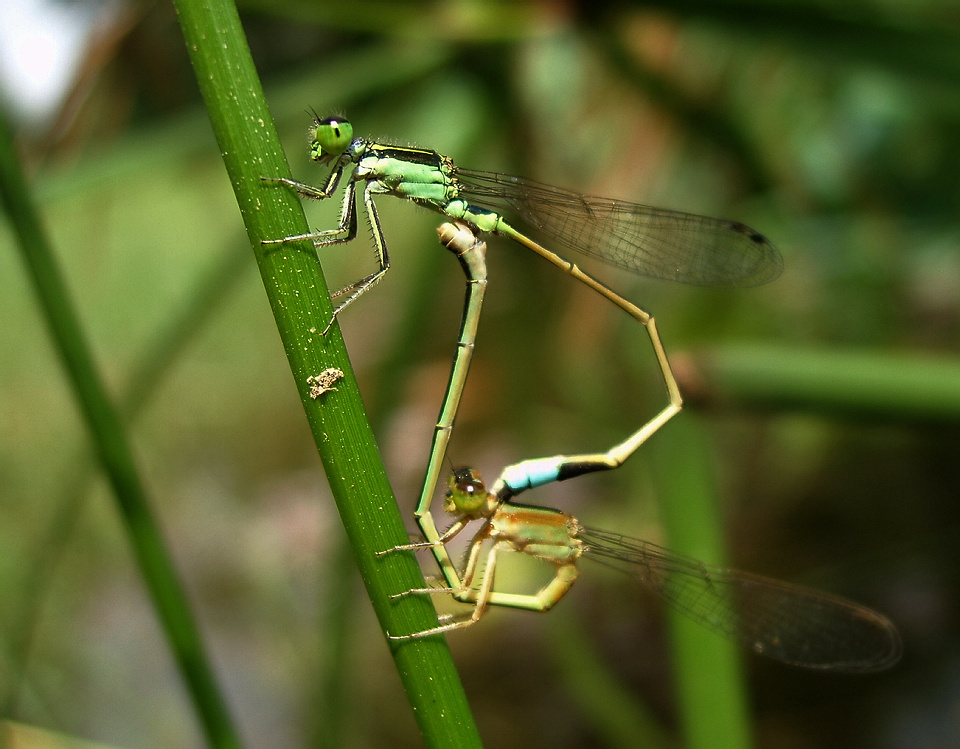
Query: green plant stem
[[153, 364], [862, 384], [113, 450], [300, 303], [711, 691]]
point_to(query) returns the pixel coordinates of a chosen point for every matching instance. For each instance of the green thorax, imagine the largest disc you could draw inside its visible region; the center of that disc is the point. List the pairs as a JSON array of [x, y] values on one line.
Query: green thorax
[[421, 175]]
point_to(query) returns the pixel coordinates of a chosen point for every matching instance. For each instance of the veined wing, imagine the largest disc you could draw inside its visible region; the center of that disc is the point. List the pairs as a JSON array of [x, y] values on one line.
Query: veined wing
[[788, 623], [650, 241]]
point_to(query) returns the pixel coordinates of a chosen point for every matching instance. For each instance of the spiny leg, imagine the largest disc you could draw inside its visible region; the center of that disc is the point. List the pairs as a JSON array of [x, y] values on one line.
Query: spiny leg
[[346, 230], [357, 288], [544, 599], [440, 540]]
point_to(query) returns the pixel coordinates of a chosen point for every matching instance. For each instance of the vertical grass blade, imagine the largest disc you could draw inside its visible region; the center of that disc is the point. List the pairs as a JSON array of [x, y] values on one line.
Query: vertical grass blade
[[113, 450], [301, 306], [711, 691]]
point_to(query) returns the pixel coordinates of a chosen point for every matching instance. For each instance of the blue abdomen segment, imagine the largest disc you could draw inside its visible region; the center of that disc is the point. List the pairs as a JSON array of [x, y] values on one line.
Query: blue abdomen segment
[[530, 474]]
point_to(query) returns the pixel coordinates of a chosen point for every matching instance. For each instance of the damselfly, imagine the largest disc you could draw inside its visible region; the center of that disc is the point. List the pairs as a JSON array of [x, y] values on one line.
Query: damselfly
[[788, 623]]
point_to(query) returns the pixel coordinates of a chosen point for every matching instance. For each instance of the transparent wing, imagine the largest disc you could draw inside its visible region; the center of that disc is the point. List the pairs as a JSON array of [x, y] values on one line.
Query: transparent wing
[[649, 241], [788, 623]]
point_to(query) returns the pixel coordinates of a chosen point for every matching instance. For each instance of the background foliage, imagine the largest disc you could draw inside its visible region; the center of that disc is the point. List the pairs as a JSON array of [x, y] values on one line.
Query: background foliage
[[834, 133]]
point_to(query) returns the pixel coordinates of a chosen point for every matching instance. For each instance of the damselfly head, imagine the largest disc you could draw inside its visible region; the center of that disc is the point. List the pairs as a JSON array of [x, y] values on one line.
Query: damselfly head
[[467, 493], [329, 137]]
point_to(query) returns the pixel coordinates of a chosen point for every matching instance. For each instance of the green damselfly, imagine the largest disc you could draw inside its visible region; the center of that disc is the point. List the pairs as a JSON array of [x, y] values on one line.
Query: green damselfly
[[648, 241]]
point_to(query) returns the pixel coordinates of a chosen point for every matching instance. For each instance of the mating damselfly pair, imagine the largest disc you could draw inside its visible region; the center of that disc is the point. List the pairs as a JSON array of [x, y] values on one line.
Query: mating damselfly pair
[[788, 623]]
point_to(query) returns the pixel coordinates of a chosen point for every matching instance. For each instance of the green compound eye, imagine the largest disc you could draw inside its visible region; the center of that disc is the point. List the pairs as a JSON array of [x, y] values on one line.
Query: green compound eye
[[467, 492], [330, 137]]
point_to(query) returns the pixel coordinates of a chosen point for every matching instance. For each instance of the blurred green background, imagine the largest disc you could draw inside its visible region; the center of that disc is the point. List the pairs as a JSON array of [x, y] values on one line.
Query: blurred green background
[[827, 399]]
